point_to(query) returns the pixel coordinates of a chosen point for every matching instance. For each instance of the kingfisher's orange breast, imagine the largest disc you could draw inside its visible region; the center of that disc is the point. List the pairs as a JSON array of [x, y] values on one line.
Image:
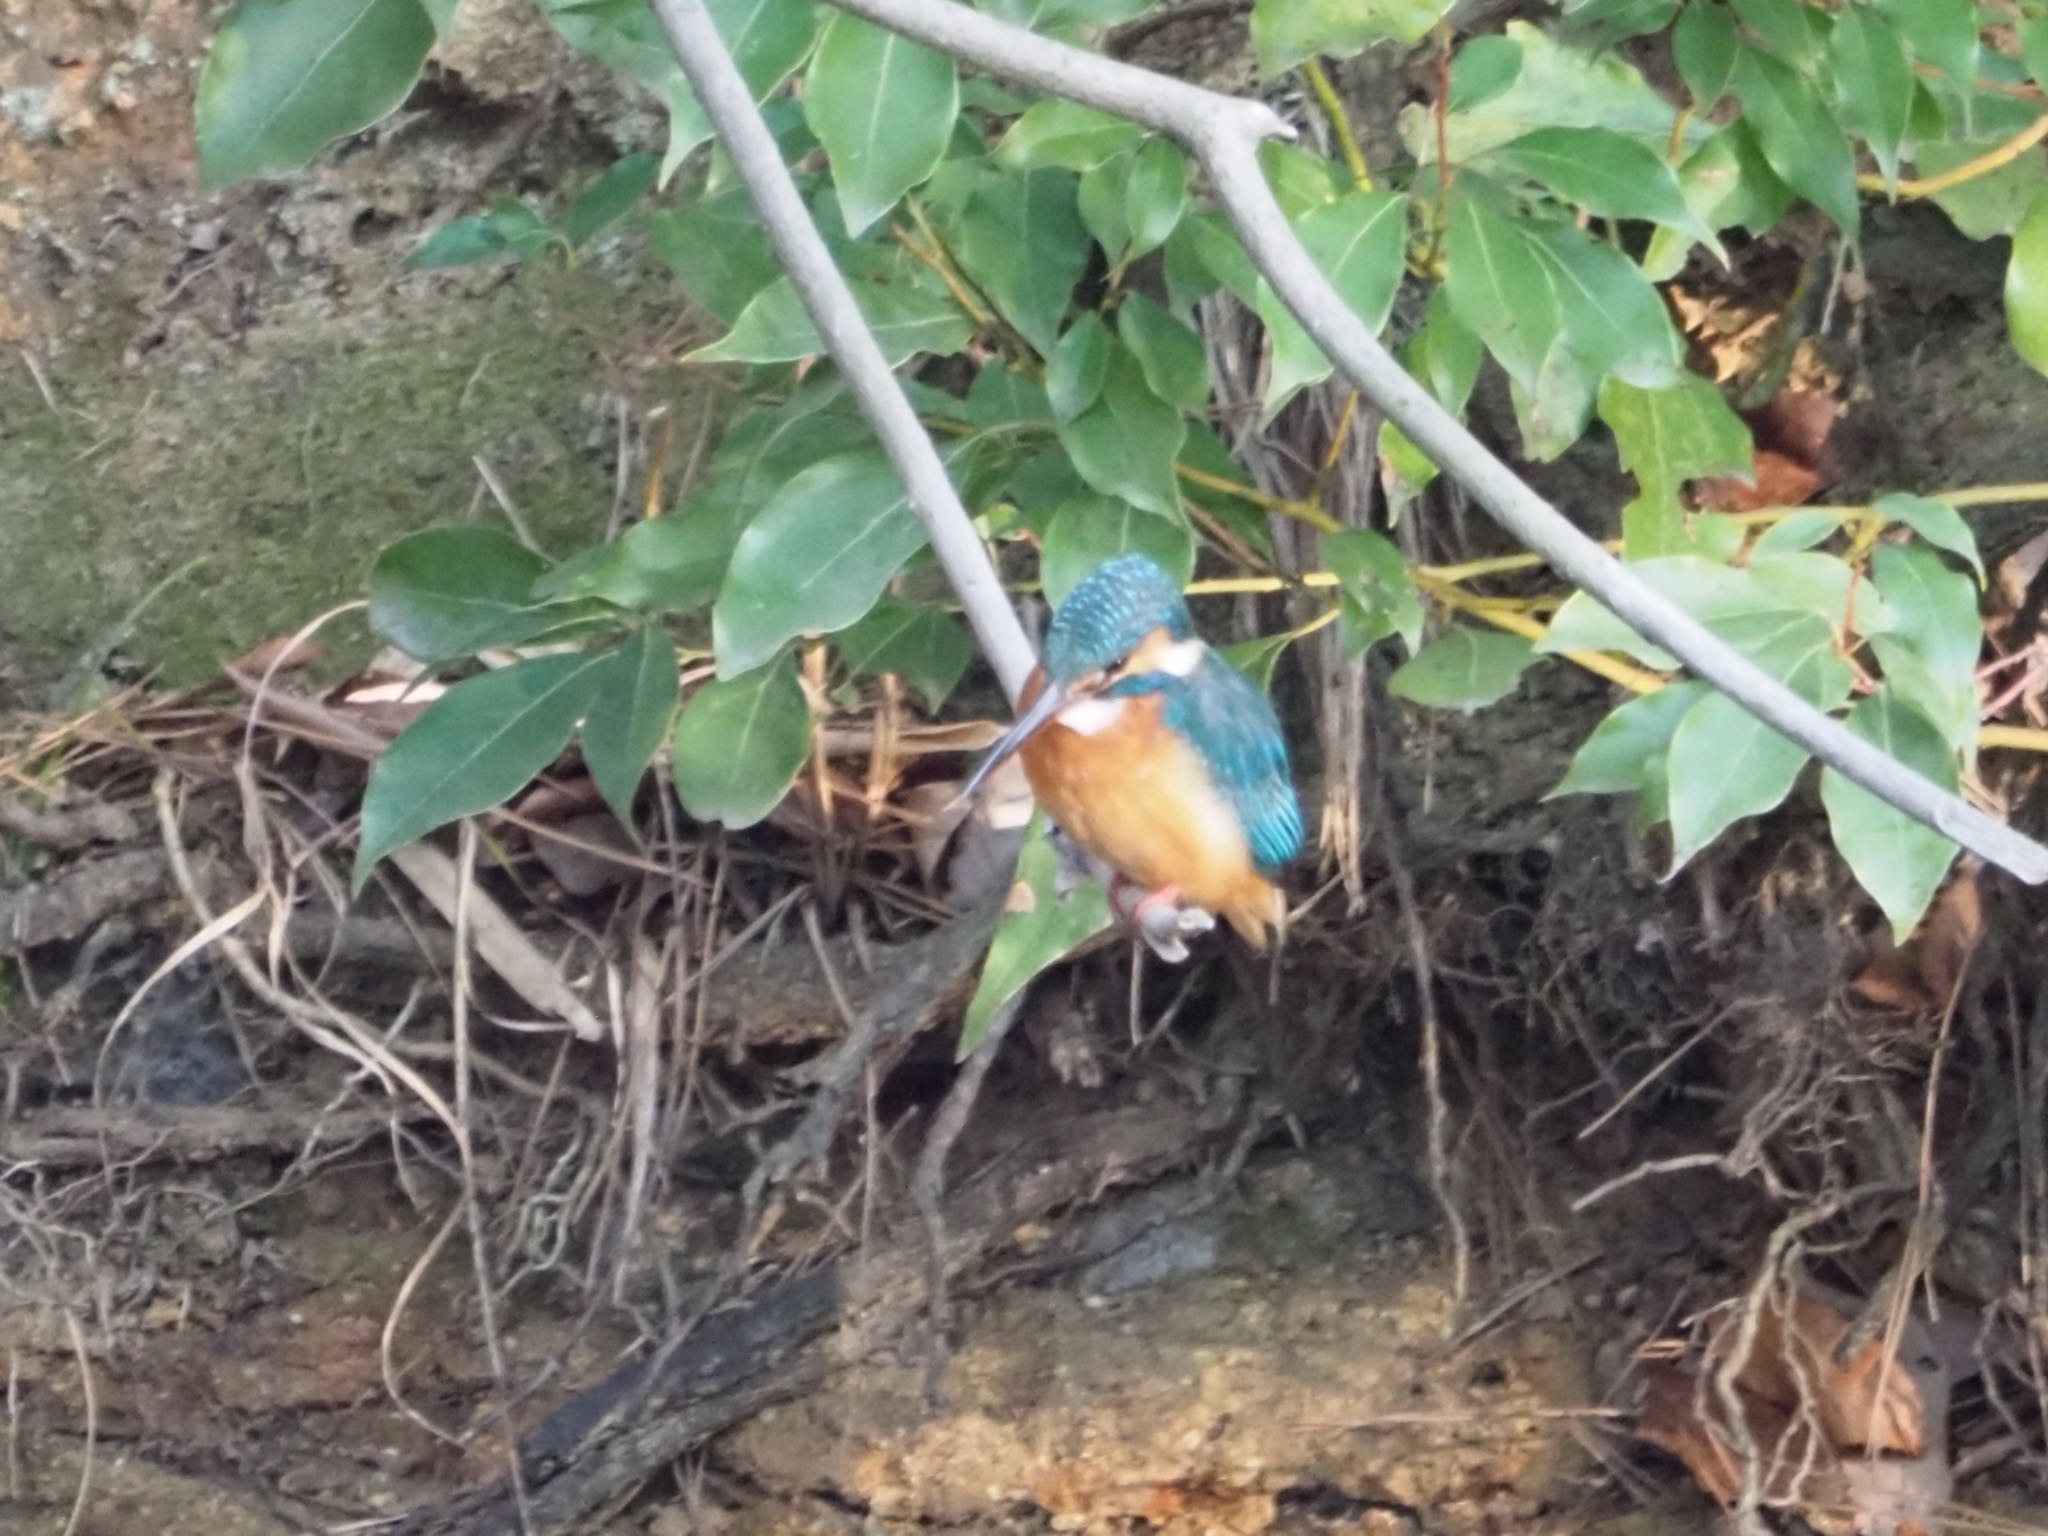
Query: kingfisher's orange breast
[[1139, 797]]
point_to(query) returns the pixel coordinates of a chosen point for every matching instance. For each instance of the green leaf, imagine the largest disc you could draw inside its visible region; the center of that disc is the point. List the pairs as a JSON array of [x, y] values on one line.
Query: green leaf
[[1603, 23], [449, 592], [1800, 531], [2033, 32], [1942, 33], [1783, 27], [1615, 758], [1930, 655], [1874, 80], [1066, 134], [1021, 240], [1359, 241], [1300, 180], [458, 244], [1703, 48], [475, 747], [1669, 436], [1379, 597], [1125, 444], [284, 80], [1155, 195], [1798, 135], [883, 107], [668, 564], [1464, 669], [1724, 763], [906, 315], [1077, 367], [1989, 204], [1483, 68], [1558, 86], [1605, 173], [1058, 15], [442, 13], [1935, 521], [1614, 319], [1554, 408], [2026, 285], [923, 645], [1444, 354], [610, 198], [1258, 659], [1285, 32], [1500, 287], [740, 743], [814, 559], [1171, 356], [1038, 928], [1896, 859], [717, 250], [631, 710], [1002, 397], [1101, 200], [1085, 533]]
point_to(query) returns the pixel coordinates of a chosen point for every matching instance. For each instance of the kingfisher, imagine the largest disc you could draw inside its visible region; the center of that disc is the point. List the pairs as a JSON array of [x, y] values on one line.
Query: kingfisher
[[1158, 758]]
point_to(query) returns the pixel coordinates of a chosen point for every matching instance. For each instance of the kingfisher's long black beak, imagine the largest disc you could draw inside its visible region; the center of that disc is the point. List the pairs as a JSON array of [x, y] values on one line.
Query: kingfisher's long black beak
[[1029, 724]]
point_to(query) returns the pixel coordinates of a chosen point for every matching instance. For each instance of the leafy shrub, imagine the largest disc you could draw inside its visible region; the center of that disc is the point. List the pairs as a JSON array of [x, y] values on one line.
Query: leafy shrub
[[1007, 231]]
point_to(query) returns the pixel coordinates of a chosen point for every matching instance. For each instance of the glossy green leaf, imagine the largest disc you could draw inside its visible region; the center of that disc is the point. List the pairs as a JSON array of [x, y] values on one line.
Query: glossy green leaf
[[1613, 318], [610, 198], [1085, 533], [1125, 444], [1784, 28], [284, 80], [1405, 470], [1002, 397], [740, 744], [1988, 203], [1603, 23], [883, 107], [1669, 436], [1941, 33], [1724, 763], [907, 316], [1464, 669], [1937, 635], [1800, 531], [1359, 242], [449, 592], [1258, 659], [459, 243], [1874, 80], [1104, 208], [1379, 596], [2026, 285], [668, 564], [1077, 366], [1604, 173], [1559, 85], [1554, 408], [1020, 238], [474, 747], [1622, 749], [1060, 15], [1203, 254], [1170, 355], [1038, 928], [632, 707], [923, 645], [1798, 135], [1444, 353], [1937, 522], [1066, 134], [1896, 859], [2033, 37], [1300, 180], [442, 14], [1483, 68], [717, 250], [1285, 32], [1500, 287], [1155, 194], [1703, 47], [814, 559]]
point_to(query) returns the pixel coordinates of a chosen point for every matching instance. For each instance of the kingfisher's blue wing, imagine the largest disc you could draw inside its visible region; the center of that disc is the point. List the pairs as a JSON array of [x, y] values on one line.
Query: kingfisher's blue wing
[[1222, 714]]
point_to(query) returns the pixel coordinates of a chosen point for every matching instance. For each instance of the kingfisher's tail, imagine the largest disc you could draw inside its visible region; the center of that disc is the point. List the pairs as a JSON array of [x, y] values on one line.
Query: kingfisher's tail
[[1261, 905]]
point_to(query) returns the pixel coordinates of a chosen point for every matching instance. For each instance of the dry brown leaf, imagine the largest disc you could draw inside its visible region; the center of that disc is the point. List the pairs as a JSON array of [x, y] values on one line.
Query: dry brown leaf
[[1780, 481], [277, 656], [1921, 976], [560, 800], [1861, 1404], [1797, 423]]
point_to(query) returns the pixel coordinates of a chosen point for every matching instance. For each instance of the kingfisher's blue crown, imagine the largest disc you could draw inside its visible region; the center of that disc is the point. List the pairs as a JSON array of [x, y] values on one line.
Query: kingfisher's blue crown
[[1103, 619]]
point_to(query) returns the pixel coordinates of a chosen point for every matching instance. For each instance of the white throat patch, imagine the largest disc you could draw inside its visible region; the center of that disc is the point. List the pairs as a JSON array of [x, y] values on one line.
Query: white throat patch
[[1091, 717], [1181, 658]]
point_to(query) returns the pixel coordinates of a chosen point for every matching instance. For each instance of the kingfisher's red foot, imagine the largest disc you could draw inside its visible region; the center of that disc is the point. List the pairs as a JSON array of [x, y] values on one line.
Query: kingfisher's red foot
[[1158, 917]]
